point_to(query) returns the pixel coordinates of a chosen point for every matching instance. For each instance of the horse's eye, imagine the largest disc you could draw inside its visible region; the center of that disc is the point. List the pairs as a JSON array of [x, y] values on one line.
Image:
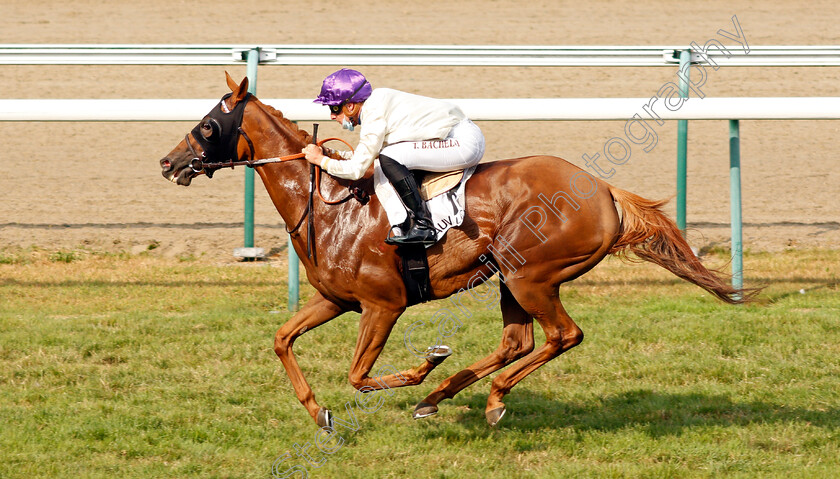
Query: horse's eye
[[211, 129]]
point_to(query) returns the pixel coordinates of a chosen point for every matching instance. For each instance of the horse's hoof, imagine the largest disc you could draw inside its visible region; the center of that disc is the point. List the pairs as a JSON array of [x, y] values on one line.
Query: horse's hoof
[[494, 416], [424, 409], [436, 354], [325, 418]]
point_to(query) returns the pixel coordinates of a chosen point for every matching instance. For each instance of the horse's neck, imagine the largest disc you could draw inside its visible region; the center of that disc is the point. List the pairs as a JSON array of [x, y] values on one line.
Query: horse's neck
[[287, 182]]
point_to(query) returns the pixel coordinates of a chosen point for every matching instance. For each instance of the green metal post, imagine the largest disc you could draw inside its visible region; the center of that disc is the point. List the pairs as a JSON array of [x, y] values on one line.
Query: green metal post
[[294, 280], [682, 144], [294, 276], [253, 61], [735, 203]]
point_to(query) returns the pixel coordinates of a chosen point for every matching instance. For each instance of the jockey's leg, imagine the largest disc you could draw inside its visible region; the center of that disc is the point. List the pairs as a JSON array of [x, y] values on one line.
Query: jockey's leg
[[461, 149], [421, 230]]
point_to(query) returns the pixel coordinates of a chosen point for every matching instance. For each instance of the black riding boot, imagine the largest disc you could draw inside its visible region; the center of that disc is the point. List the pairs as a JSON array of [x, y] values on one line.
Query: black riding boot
[[421, 230]]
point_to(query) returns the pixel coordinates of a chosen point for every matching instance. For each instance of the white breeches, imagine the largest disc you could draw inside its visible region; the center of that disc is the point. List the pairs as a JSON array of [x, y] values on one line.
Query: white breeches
[[461, 149]]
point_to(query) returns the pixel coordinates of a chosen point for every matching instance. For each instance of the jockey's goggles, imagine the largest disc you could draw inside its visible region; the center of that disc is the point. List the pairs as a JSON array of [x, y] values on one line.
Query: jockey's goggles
[[336, 109]]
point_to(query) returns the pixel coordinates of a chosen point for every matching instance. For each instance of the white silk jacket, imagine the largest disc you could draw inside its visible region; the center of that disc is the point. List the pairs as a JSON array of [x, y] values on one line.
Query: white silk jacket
[[391, 116]]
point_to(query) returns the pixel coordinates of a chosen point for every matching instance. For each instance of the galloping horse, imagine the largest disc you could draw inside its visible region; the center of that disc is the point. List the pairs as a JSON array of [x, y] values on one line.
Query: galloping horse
[[537, 221]]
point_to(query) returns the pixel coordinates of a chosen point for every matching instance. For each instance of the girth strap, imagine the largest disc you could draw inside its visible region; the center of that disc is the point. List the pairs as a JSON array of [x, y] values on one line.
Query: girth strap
[[415, 272]]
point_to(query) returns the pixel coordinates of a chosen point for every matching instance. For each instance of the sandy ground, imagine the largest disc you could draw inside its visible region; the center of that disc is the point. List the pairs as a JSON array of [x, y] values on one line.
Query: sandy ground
[[98, 185]]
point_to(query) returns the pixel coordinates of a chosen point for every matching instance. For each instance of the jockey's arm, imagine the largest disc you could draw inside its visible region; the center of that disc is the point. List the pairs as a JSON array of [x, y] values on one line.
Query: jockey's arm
[[335, 154], [370, 142]]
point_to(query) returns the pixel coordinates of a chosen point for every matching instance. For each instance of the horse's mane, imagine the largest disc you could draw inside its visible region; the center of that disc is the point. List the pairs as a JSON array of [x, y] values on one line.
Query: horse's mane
[[365, 183], [293, 128]]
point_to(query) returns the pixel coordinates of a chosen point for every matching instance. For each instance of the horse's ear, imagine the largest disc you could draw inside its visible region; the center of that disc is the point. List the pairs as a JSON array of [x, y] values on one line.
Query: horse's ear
[[231, 83], [239, 91]]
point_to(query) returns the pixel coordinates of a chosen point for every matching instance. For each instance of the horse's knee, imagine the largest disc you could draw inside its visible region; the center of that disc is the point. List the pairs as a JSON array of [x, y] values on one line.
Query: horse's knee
[[561, 341], [282, 342], [516, 348], [357, 380], [526, 347], [572, 338]]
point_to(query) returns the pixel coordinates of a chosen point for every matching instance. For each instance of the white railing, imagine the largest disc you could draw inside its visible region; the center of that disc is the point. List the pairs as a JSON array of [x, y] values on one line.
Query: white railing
[[488, 109], [413, 55], [732, 109]]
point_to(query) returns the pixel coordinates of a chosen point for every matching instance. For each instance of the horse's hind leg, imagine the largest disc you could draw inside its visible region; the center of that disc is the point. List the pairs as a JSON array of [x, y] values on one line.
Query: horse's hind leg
[[517, 341], [561, 334]]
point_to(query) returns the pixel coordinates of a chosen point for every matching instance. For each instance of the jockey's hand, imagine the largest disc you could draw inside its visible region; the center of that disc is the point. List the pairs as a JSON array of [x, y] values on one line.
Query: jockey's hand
[[314, 154]]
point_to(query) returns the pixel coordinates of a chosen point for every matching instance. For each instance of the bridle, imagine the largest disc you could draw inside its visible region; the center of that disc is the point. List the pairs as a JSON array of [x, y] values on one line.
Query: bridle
[[219, 145], [220, 148]]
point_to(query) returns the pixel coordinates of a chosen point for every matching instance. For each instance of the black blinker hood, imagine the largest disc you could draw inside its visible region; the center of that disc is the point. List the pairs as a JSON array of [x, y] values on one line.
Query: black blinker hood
[[221, 146]]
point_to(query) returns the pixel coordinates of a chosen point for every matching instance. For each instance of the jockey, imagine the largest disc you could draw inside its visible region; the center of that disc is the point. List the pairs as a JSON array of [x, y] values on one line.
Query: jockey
[[406, 132]]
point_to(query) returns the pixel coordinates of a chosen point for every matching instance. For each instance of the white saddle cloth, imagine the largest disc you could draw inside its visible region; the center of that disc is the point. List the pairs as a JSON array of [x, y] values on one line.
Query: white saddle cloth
[[447, 208]]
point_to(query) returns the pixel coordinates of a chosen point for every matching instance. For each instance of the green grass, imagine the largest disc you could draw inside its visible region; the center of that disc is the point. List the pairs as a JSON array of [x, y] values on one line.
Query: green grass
[[131, 366]]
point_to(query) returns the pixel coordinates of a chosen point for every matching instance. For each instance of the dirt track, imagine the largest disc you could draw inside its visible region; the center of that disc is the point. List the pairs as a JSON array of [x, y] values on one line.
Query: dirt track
[[95, 185]]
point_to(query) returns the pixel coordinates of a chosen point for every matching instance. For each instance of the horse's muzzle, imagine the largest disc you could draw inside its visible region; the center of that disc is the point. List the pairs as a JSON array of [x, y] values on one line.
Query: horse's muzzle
[[182, 176]]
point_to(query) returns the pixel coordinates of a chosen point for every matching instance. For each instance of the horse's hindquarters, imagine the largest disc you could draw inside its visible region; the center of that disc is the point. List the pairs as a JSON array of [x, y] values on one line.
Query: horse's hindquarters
[[536, 218]]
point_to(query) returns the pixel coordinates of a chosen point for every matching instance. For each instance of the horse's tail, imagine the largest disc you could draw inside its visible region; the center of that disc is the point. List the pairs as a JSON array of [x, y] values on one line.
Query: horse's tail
[[652, 236]]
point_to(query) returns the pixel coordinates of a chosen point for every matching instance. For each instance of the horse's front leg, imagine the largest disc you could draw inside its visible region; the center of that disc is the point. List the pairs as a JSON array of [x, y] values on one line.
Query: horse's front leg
[[314, 313], [374, 328]]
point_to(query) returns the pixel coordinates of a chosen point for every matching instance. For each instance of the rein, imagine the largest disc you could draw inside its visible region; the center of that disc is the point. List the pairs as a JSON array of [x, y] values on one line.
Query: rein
[[201, 167]]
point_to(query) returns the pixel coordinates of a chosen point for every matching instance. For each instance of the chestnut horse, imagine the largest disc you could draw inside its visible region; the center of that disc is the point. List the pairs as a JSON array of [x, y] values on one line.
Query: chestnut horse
[[537, 221]]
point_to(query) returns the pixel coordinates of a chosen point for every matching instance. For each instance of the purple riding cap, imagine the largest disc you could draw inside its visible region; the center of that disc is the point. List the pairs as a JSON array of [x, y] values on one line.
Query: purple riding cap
[[344, 86]]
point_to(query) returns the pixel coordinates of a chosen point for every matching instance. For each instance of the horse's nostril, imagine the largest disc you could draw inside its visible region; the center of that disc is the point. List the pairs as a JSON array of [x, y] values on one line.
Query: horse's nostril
[[165, 164]]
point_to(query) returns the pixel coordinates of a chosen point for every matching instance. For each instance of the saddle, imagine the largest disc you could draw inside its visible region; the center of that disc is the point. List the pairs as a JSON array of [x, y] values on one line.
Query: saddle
[[433, 184]]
